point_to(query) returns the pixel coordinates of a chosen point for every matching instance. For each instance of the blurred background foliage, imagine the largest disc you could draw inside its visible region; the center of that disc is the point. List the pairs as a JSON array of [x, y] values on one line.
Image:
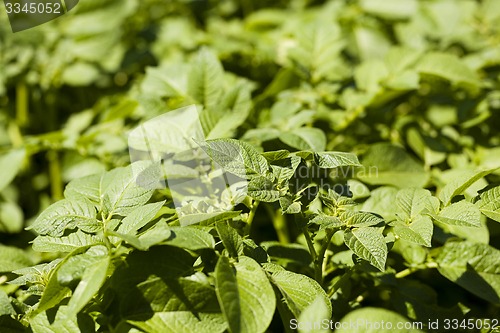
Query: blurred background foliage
[[417, 81]]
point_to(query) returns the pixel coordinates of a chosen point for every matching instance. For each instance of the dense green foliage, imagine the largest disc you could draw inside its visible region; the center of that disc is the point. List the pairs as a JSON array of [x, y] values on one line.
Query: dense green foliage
[[369, 137]]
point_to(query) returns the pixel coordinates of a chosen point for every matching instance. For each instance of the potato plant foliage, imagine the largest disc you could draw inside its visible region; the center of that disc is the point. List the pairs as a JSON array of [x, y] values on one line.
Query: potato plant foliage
[[367, 132]]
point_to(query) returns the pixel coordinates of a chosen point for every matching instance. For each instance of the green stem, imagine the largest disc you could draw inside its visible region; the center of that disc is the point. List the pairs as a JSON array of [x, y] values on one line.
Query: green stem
[[318, 263], [251, 215], [56, 183], [279, 223], [310, 245], [21, 104], [411, 270], [405, 272]]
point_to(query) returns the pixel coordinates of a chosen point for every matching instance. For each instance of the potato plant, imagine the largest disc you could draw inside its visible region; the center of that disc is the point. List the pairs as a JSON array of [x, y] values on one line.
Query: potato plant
[[362, 137]]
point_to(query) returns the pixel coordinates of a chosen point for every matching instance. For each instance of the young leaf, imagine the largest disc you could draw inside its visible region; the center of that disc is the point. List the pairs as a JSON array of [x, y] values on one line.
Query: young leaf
[[462, 213], [369, 244], [64, 214], [414, 201], [460, 184], [67, 243], [316, 312], [139, 218], [91, 282], [182, 321], [12, 258], [336, 159], [89, 187], [447, 66], [129, 187], [236, 157], [473, 266], [299, 291], [61, 321], [230, 238], [10, 164], [6, 308], [489, 204], [191, 238], [256, 296], [327, 221], [305, 138], [228, 294], [360, 219], [205, 79], [418, 231], [391, 165]]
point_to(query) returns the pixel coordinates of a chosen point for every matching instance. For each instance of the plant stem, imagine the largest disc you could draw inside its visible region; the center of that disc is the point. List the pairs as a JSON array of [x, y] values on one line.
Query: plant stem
[[405, 272], [251, 215], [21, 104], [411, 270], [318, 261], [310, 244], [279, 223], [56, 183]]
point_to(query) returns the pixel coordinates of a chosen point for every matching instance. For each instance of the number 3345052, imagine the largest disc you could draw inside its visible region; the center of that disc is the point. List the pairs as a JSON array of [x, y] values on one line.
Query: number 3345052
[[33, 8]]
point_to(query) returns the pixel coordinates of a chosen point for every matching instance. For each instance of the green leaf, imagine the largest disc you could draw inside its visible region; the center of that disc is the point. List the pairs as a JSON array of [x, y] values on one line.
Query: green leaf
[[414, 202], [230, 238], [305, 138], [489, 203], [205, 79], [336, 159], [234, 110], [256, 296], [11, 218], [61, 320], [12, 258], [447, 66], [298, 291], [6, 308], [360, 219], [139, 218], [10, 164], [370, 320], [89, 187], [64, 214], [462, 213], [207, 218], [263, 189], [236, 157], [65, 243], [390, 9], [327, 221], [129, 187], [92, 280], [190, 238], [159, 294], [228, 294], [387, 164], [460, 184], [381, 201], [182, 322], [418, 231], [316, 312], [473, 266], [369, 244]]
